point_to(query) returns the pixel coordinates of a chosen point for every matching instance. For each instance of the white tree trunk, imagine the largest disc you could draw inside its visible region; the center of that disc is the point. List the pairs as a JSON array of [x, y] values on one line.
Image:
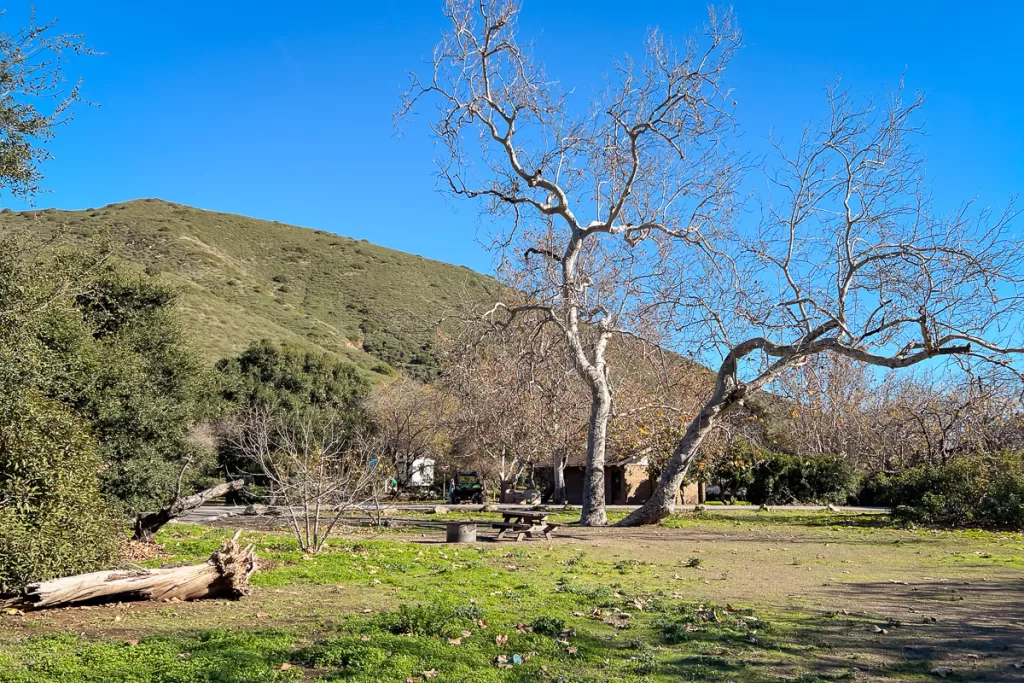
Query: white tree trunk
[[594, 512]]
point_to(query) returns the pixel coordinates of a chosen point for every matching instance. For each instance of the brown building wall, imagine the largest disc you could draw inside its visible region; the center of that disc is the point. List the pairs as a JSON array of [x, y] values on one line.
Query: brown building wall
[[630, 485], [637, 485], [690, 494]]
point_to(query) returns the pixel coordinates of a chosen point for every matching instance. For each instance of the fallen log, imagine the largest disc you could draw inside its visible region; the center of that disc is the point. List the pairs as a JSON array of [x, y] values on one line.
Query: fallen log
[[148, 523], [225, 575]]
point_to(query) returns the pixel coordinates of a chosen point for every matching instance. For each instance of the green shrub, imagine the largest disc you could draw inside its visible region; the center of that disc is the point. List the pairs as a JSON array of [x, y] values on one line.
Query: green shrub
[[54, 521], [548, 626], [734, 471], [439, 619], [780, 479], [977, 491]]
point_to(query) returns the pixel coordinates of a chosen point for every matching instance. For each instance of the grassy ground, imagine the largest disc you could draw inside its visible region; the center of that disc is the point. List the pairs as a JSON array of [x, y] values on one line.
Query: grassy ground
[[765, 597]]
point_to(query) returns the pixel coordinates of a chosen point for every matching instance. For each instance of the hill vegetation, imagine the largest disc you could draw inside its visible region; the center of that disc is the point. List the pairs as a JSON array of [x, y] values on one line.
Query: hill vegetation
[[244, 279]]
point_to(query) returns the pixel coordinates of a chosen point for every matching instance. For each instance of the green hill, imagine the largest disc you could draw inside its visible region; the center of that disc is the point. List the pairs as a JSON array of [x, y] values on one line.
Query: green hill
[[244, 279]]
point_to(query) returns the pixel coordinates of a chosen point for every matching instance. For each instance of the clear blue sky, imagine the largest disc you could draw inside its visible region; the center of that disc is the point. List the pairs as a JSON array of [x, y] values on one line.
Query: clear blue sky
[[283, 110]]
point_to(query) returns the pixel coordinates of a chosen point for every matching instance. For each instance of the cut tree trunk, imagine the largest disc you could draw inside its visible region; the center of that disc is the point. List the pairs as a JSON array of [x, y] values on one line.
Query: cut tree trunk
[[148, 523], [224, 575]]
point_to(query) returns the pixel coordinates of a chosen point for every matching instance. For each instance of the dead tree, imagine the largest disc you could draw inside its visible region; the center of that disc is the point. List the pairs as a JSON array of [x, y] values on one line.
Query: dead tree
[[596, 207], [850, 258], [225, 575], [148, 523], [315, 464]]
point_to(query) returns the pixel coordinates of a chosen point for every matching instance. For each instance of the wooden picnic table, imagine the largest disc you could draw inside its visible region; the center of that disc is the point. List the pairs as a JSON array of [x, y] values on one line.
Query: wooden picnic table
[[525, 523]]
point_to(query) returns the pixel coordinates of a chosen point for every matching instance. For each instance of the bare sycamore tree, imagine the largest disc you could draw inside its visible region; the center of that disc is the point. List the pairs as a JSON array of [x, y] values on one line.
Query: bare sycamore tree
[[850, 258], [314, 466], [592, 204]]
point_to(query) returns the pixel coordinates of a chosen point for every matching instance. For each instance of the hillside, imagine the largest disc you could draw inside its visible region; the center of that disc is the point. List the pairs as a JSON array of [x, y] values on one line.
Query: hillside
[[244, 279]]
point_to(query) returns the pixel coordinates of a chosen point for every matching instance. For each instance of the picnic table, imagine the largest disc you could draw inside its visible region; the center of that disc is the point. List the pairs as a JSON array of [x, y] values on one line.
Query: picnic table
[[524, 523]]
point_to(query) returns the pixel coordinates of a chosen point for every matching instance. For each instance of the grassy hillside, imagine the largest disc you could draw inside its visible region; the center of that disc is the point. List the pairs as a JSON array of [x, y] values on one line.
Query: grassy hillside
[[244, 279]]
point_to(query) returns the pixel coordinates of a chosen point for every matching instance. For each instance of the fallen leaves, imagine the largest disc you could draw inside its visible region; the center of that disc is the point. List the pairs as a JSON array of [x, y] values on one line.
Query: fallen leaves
[[500, 639]]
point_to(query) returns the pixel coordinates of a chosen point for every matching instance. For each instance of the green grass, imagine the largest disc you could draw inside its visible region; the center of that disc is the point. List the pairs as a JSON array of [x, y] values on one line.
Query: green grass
[[244, 279], [385, 609]]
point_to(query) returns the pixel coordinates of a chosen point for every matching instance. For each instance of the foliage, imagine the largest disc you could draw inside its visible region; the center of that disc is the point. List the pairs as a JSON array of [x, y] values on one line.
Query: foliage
[[780, 479], [734, 470], [434, 619], [283, 381], [291, 378], [36, 100], [54, 520], [548, 626], [979, 491], [103, 341], [138, 381]]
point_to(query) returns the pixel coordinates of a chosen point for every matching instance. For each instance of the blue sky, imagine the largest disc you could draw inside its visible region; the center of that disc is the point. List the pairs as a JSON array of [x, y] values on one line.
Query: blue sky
[[283, 111]]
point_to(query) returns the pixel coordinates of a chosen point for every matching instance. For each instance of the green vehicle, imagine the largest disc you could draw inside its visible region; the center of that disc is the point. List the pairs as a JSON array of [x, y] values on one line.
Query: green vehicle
[[467, 487]]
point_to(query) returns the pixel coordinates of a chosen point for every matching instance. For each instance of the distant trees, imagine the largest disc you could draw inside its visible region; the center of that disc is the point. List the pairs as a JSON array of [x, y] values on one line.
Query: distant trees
[[409, 420], [496, 421], [889, 421]]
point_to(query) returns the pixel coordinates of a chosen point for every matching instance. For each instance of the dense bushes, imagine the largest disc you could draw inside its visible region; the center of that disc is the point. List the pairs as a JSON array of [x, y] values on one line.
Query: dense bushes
[[780, 479], [100, 392], [54, 521], [136, 378], [293, 384], [290, 378], [979, 491]]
